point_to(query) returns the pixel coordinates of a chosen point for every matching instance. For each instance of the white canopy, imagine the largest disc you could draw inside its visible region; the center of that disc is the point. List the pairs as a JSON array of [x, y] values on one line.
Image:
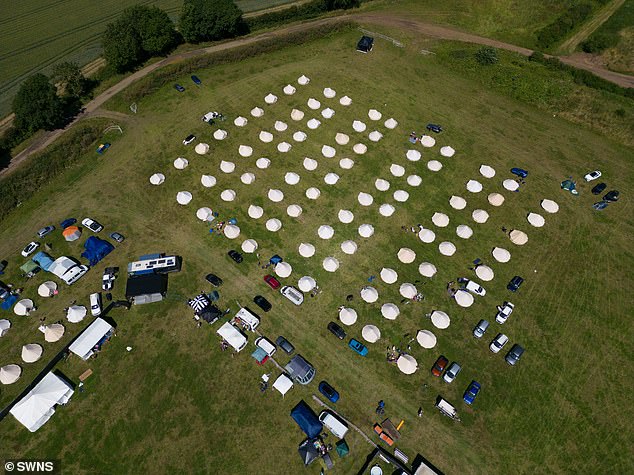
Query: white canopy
[[23, 307], [327, 151], [330, 264], [47, 289], [266, 137], [434, 165], [342, 139], [440, 319], [270, 98], [427, 269], [263, 163], [289, 90], [414, 180], [426, 339], [310, 164], [474, 186], [306, 283], [457, 202], [345, 216], [329, 93], [345, 101], [389, 276], [427, 141], [294, 211], [283, 383], [427, 236], [536, 220], [496, 199], [447, 248], [501, 255], [208, 181], [306, 250], [440, 219], [369, 294], [397, 170], [349, 247], [255, 211], [240, 121], [549, 206], [273, 225], [386, 210], [371, 333], [313, 103], [31, 352], [76, 313], [327, 113], [365, 199], [85, 343], [359, 148], [313, 193], [205, 214], [247, 178], [518, 237], [4, 326], [325, 231], [280, 126], [375, 136], [407, 364], [464, 231], [510, 185], [406, 255], [38, 406], [381, 184], [227, 167], [413, 155], [303, 80], [464, 298], [358, 126], [299, 136], [202, 148], [366, 230], [10, 373], [348, 316], [231, 231], [53, 332], [401, 196], [245, 150], [408, 290], [331, 178], [485, 273], [275, 195], [390, 123], [283, 269], [181, 163], [157, 179], [486, 171], [390, 311], [297, 115], [374, 114], [220, 134], [249, 246], [480, 216], [183, 197], [447, 151], [257, 112], [228, 195]]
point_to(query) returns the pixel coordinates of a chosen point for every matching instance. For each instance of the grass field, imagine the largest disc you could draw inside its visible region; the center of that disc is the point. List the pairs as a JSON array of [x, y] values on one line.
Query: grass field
[[177, 403], [619, 28]]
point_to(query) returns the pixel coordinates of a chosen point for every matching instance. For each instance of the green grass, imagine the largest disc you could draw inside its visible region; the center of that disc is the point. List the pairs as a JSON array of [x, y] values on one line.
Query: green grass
[[177, 403], [618, 34]]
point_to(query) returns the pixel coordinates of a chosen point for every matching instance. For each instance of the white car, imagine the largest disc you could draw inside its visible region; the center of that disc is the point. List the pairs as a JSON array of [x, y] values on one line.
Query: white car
[[452, 372], [107, 281], [592, 175], [30, 248], [475, 288], [95, 304], [498, 342], [266, 345], [504, 312], [91, 224]]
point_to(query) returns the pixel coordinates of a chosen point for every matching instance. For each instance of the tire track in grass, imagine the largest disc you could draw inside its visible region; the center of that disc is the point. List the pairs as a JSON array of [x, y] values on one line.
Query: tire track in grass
[[27, 15]]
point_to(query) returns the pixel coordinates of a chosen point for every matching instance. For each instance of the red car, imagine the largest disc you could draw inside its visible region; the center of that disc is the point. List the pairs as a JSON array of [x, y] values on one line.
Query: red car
[[272, 281], [439, 366]]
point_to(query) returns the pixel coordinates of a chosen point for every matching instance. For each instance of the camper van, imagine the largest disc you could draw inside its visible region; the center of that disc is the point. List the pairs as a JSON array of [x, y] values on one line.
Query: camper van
[[249, 319], [446, 408], [334, 423], [233, 336], [293, 294]]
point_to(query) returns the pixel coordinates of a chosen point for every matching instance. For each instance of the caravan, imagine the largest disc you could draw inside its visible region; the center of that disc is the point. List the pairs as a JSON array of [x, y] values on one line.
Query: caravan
[[233, 336], [248, 319]]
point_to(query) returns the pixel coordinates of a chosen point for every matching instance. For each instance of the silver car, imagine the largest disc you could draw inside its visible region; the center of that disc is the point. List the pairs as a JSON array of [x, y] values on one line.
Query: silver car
[[452, 372], [498, 342], [480, 329]]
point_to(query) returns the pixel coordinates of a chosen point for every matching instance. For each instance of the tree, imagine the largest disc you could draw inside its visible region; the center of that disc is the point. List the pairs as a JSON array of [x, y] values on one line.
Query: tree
[[486, 56], [121, 46], [69, 79], [207, 20], [341, 4], [37, 106]]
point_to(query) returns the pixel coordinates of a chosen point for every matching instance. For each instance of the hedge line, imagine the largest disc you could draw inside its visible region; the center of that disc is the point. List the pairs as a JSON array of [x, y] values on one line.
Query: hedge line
[[564, 24], [302, 12]]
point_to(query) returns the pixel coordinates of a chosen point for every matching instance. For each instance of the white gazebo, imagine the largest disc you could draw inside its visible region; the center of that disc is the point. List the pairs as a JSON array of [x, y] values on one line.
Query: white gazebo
[[283, 384]]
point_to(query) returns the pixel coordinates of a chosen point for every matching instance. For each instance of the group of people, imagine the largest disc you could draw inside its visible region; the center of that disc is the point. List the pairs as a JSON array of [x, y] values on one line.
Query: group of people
[[414, 229], [224, 344]]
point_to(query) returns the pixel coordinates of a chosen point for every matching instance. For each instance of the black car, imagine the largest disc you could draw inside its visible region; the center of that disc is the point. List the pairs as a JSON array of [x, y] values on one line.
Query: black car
[[337, 330], [598, 189], [117, 237], [235, 255], [514, 355], [434, 128], [214, 280], [365, 44], [262, 303], [189, 139], [197, 81], [611, 196], [179, 88], [285, 345], [515, 283]]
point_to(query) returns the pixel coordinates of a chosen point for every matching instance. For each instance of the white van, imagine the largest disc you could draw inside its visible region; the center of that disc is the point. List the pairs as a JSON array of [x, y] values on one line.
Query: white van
[[233, 336], [294, 295], [249, 319], [95, 304], [334, 423], [446, 408], [266, 345]]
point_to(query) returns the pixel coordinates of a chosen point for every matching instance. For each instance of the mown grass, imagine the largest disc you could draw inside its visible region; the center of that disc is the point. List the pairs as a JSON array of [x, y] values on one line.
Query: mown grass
[[177, 403]]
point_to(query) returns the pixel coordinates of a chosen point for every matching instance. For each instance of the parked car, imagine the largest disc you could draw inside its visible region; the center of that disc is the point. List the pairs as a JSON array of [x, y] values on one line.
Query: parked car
[[472, 392], [611, 196], [439, 365], [179, 88], [285, 345], [30, 248], [475, 288], [45, 231], [189, 139], [67, 222], [262, 303], [504, 312], [358, 347], [592, 175], [520, 172], [599, 205], [107, 281], [235, 255], [336, 330], [214, 280], [434, 128], [103, 148], [95, 304], [498, 342], [327, 390], [515, 283], [272, 281], [481, 328], [118, 237], [197, 81], [514, 355], [598, 189], [293, 294], [365, 44], [266, 344], [91, 224], [452, 372]]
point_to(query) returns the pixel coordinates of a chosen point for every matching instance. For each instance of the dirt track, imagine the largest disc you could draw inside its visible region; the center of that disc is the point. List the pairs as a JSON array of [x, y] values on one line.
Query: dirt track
[[381, 19]]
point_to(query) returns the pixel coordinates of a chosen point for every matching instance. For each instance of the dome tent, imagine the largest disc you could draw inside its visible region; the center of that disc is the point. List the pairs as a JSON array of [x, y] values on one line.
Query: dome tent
[[325, 231], [231, 231], [245, 151], [413, 155], [390, 123], [365, 199], [297, 115], [247, 178], [464, 298], [345, 101], [313, 103], [457, 202], [386, 210], [510, 185], [257, 112], [549, 206], [270, 98], [518, 237], [496, 199], [389, 276], [447, 248], [366, 230], [294, 211], [329, 93], [426, 339], [157, 179], [331, 179], [289, 90], [280, 126], [313, 193], [434, 165], [9, 374], [349, 247], [249, 246], [266, 137], [327, 113], [255, 212], [31, 352], [71, 233], [263, 163], [208, 181], [427, 269], [536, 220], [76, 313], [369, 294], [328, 151], [330, 264], [474, 186], [408, 290], [227, 167], [390, 311], [306, 283], [180, 163], [205, 214], [440, 319], [427, 236], [5, 325], [359, 148], [414, 180], [220, 134], [342, 139], [480, 216], [23, 307], [486, 171], [240, 121], [381, 184], [427, 141], [406, 255], [283, 269], [348, 316], [275, 195], [228, 195], [500, 254], [303, 80], [463, 231], [306, 249], [371, 333], [485, 273], [202, 148], [397, 170], [53, 332], [440, 219], [358, 126], [401, 196], [447, 151], [299, 136], [273, 225], [375, 136], [345, 216], [374, 114], [407, 364], [284, 147], [310, 164]]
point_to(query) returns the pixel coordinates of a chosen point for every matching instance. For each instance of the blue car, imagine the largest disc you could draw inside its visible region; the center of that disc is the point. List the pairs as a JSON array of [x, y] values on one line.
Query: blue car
[[519, 172], [67, 222], [197, 81], [179, 88], [434, 128], [471, 392], [327, 390], [358, 347]]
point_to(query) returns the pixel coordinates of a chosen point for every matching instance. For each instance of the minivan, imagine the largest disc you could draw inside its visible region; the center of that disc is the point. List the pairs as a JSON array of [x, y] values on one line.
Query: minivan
[[248, 319], [95, 304], [334, 423], [292, 294], [266, 345]]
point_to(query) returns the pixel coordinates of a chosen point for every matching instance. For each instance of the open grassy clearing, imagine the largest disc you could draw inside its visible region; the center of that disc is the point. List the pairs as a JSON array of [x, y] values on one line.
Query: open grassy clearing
[[177, 398], [619, 28]]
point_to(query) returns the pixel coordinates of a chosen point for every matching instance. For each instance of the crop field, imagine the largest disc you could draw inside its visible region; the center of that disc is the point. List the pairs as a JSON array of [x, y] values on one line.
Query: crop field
[[177, 403]]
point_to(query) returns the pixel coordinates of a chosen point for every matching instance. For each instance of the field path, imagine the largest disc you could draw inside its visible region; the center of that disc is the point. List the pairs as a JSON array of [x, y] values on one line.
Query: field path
[[382, 19], [570, 45]]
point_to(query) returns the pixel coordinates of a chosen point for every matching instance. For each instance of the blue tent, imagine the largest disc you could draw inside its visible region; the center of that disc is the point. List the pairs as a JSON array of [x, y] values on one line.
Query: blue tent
[[275, 259], [96, 249], [43, 260], [306, 419]]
